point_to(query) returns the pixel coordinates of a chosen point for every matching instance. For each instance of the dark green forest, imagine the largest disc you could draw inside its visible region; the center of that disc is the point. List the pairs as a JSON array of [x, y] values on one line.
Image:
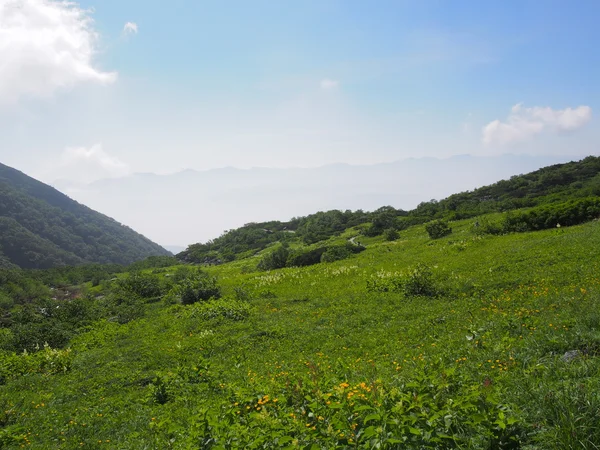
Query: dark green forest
[[42, 228]]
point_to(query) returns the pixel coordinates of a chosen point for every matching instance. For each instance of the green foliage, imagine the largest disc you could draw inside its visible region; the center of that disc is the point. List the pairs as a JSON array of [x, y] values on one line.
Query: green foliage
[[419, 282], [438, 229], [302, 258], [553, 215], [47, 322], [339, 252], [153, 262], [554, 184], [336, 253], [383, 219], [123, 309], [197, 288], [219, 308], [415, 282], [485, 341], [42, 228], [551, 184], [254, 237], [391, 234], [141, 284], [572, 212], [484, 226], [48, 361], [323, 225], [275, 259]]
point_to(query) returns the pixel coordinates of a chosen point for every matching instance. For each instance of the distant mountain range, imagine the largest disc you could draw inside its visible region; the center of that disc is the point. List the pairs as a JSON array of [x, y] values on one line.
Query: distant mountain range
[[195, 206], [41, 227]]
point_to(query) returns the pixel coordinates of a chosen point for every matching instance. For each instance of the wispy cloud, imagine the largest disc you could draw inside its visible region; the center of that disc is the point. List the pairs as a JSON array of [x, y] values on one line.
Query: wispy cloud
[[45, 46], [524, 123], [328, 84], [130, 28]]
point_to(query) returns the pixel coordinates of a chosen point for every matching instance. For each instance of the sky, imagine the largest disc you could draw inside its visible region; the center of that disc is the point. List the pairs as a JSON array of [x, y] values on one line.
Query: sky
[[106, 88]]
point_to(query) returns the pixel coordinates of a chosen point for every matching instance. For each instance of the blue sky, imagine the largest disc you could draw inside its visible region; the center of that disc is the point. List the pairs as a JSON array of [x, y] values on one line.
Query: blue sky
[[279, 83]]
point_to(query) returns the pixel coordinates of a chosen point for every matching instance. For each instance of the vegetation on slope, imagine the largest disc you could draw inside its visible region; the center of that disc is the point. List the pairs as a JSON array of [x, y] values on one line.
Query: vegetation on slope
[[42, 228], [552, 184], [552, 189], [477, 333], [254, 237], [465, 341]]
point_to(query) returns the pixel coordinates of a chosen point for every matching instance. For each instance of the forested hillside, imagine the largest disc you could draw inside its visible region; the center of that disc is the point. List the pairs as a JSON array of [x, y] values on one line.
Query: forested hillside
[[41, 228], [548, 185], [562, 193]]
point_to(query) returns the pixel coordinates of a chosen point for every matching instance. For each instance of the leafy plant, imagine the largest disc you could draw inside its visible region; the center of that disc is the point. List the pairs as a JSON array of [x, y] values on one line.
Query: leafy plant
[[438, 229], [391, 234], [198, 287], [275, 259]]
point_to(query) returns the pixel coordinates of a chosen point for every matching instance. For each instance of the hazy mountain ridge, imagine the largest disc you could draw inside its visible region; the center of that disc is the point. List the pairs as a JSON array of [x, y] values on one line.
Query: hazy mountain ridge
[[192, 206], [41, 227]]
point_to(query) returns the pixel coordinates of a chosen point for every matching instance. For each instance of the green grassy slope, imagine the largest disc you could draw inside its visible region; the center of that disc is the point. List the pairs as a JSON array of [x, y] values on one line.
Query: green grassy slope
[[339, 355], [41, 228]]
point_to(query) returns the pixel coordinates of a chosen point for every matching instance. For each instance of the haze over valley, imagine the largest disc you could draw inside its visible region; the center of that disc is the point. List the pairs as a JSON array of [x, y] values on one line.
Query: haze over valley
[[197, 206]]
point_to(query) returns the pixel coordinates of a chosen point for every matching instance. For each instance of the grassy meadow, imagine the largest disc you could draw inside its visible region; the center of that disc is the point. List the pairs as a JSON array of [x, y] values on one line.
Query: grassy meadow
[[468, 341]]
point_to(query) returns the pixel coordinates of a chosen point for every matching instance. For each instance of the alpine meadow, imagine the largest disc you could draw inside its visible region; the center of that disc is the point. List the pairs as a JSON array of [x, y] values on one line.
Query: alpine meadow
[[299, 225], [472, 322]]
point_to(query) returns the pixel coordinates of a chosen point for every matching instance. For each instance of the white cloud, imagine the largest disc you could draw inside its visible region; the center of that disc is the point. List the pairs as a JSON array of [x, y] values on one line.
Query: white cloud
[[523, 123], [130, 28], [46, 45], [83, 164], [328, 84]]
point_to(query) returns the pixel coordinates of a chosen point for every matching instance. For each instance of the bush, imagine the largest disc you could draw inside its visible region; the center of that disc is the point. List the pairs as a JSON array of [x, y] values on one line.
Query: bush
[[277, 259], [224, 308], [306, 258], [419, 282], [438, 229], [336, 253], [391, 234], [543, 217], [484, 226], [144, 285], [122, 307], [200, 287]]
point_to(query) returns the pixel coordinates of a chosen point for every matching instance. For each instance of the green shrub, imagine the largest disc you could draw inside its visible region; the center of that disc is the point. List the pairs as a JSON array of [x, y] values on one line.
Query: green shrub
[[438, 229], [485, 226], [225, 307], [572, 212], [391, 234], [277, 259], [6, 302], [145, 285], [419, 282], [301, 258], [336, 253], [339, 252], [122, 307], [200, 287]]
